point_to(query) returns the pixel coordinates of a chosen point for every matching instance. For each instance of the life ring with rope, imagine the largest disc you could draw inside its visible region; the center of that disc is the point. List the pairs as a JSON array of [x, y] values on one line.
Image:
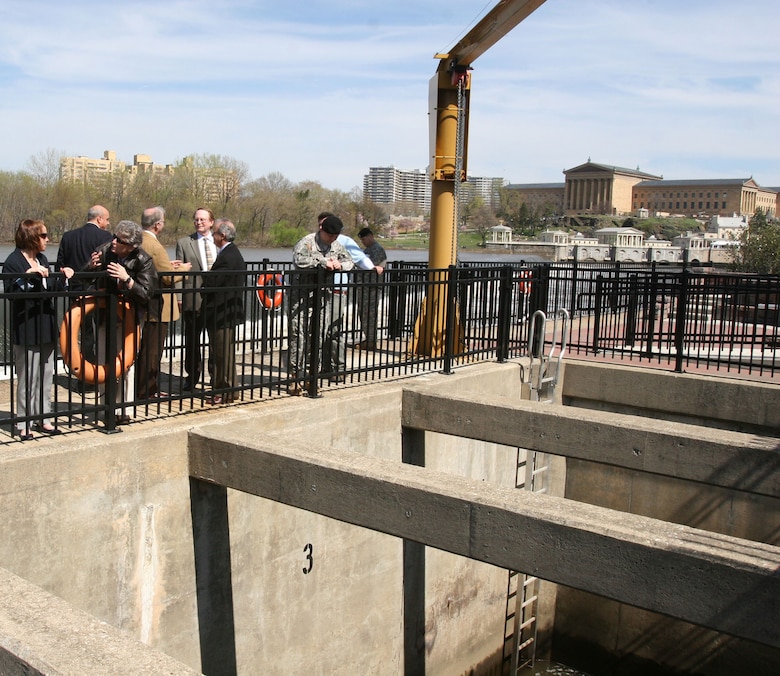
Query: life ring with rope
[[524, 282], [269, 290], [80, 366]]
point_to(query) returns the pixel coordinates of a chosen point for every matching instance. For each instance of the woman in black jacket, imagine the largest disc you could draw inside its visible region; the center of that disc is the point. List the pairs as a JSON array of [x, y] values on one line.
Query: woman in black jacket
[[33, 324]]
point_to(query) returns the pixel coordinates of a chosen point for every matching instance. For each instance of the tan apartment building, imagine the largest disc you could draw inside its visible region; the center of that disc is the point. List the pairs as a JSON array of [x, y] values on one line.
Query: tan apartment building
[[83, 169], [90, 170], [211, 184]]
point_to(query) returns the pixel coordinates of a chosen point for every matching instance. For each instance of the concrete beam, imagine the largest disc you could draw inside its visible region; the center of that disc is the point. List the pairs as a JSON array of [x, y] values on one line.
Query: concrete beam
[[723, 583], [42, 634], [735, 460]]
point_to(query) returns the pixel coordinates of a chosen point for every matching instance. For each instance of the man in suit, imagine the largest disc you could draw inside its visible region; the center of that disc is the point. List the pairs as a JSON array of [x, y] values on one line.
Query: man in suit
[[156, 327], [75, 252], [222, 309], [197, 249], [77, 245]]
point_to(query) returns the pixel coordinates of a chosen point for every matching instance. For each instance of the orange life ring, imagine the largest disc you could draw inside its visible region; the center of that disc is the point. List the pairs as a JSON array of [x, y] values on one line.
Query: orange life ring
[[525, 281], [269, 290], [85, 370]]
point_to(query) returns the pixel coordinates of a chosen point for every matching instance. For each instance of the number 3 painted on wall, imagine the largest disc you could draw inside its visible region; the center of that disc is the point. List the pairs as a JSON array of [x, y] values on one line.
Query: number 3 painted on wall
[[309, 551]]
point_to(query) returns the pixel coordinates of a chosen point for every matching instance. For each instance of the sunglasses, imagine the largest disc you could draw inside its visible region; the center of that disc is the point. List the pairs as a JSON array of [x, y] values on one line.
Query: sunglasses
[[121, 241], [44, 235]]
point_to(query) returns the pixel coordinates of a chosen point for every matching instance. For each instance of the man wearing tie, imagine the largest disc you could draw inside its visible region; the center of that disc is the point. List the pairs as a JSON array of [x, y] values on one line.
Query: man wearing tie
[[198, 249]]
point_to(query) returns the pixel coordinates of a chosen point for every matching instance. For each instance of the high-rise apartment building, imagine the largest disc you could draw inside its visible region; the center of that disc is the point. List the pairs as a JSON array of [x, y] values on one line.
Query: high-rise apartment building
[[404, 189]]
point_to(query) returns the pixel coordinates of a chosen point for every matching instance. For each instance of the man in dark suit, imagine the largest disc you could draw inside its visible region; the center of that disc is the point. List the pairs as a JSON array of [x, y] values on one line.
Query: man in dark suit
[[77, 245], [222, 309], [198, 249], [75, 252]]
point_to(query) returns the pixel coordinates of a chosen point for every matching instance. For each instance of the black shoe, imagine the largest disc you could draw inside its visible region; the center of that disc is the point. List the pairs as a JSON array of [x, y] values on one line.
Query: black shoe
[[123, 420], [25, 436], [51, 431], [189, 383]]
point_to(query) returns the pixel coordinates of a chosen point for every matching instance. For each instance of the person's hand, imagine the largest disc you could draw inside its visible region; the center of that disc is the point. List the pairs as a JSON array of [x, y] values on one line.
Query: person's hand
[[38, 269], [94, 259], [68, 272], [379, 269], [118, 271]]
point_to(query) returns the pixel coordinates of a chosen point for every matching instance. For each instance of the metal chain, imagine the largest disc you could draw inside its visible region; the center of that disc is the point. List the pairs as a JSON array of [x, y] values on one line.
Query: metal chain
[[459, 142]]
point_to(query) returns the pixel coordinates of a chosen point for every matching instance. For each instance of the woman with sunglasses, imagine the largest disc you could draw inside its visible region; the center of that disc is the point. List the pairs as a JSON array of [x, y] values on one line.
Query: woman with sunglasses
[[33, 325]]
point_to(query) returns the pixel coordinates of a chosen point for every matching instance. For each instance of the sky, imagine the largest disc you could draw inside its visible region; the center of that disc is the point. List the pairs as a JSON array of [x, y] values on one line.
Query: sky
[[323, 90]]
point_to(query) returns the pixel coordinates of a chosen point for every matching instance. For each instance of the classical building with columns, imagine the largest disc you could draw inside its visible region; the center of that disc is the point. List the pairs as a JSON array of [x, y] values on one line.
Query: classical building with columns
[[593, 188], [719, 197]]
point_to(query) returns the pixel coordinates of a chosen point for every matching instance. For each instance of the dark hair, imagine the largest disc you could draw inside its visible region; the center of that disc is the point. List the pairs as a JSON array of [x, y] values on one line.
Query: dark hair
[[28, 234], [365, 232]]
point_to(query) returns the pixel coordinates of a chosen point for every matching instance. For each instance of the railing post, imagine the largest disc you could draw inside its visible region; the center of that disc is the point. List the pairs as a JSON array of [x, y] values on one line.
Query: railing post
[[631, 310], [111, 385], [316, 340], [450, 318], [540, 283], [396, 293], [504, 313], [679, 327], [597, 312]]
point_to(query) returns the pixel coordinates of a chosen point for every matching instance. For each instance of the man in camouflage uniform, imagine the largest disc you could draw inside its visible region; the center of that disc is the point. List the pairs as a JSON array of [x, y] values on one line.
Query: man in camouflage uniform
[[368, 296], [316, 251]]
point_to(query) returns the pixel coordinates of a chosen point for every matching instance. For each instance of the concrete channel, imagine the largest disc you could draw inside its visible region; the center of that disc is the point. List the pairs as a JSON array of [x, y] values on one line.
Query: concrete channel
[[289, 537]]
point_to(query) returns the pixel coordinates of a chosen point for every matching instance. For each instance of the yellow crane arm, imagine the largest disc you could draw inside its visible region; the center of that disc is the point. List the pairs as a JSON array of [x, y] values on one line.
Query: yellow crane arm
[[493, 26]]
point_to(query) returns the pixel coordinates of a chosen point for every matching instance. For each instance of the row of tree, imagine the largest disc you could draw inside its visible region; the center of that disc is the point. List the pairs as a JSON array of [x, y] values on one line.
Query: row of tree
[[268, 211], [272, 211]]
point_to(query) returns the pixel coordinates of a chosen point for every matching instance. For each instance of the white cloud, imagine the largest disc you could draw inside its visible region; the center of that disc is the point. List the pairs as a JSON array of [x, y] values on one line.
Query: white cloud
[[683, 89]]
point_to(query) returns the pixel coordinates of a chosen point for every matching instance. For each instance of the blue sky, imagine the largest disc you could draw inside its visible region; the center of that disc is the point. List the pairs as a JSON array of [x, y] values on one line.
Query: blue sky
[[323, 90]]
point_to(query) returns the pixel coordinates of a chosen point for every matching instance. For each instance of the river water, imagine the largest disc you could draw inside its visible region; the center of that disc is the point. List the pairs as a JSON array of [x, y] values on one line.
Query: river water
[[285, 255]]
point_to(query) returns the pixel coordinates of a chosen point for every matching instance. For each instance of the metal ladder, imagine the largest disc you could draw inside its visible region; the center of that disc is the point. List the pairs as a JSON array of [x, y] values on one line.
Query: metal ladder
[[532, 474], [522, 596], [543, 370]]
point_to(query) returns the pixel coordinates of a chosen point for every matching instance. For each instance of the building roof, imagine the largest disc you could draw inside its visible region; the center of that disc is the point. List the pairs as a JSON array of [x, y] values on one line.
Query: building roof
[[610, 168], [666, 183], [535, 186]]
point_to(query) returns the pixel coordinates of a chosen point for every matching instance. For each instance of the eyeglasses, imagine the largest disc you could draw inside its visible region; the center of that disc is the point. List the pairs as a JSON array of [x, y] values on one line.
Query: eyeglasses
[[44, 235], [121, 241]]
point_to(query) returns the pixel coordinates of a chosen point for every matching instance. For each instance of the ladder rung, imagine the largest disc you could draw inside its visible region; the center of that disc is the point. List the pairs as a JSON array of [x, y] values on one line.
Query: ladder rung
[[529, 601], [524, 644], [530, 580], [528, 623]]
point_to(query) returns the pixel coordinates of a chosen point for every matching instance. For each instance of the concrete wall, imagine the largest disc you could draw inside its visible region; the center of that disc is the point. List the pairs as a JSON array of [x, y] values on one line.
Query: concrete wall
[[104, 523], [600, 635]]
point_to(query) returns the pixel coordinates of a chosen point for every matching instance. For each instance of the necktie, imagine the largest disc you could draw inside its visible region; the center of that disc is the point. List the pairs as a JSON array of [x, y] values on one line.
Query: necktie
[[209, 255]]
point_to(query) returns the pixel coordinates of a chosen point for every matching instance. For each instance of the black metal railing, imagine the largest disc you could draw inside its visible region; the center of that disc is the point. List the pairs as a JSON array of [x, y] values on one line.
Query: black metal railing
[[426, 320]]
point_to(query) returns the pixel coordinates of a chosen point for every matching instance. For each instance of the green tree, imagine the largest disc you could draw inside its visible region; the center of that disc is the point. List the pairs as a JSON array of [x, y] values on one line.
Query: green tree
[[759, 246]]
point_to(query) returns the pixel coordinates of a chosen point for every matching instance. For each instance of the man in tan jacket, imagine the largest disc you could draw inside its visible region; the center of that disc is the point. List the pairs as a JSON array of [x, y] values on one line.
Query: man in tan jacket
[[156, 327]]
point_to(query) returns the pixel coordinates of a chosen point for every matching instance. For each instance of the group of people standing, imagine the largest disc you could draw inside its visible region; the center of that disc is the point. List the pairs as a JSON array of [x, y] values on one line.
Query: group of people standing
[[131, 259], [135, 267]]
